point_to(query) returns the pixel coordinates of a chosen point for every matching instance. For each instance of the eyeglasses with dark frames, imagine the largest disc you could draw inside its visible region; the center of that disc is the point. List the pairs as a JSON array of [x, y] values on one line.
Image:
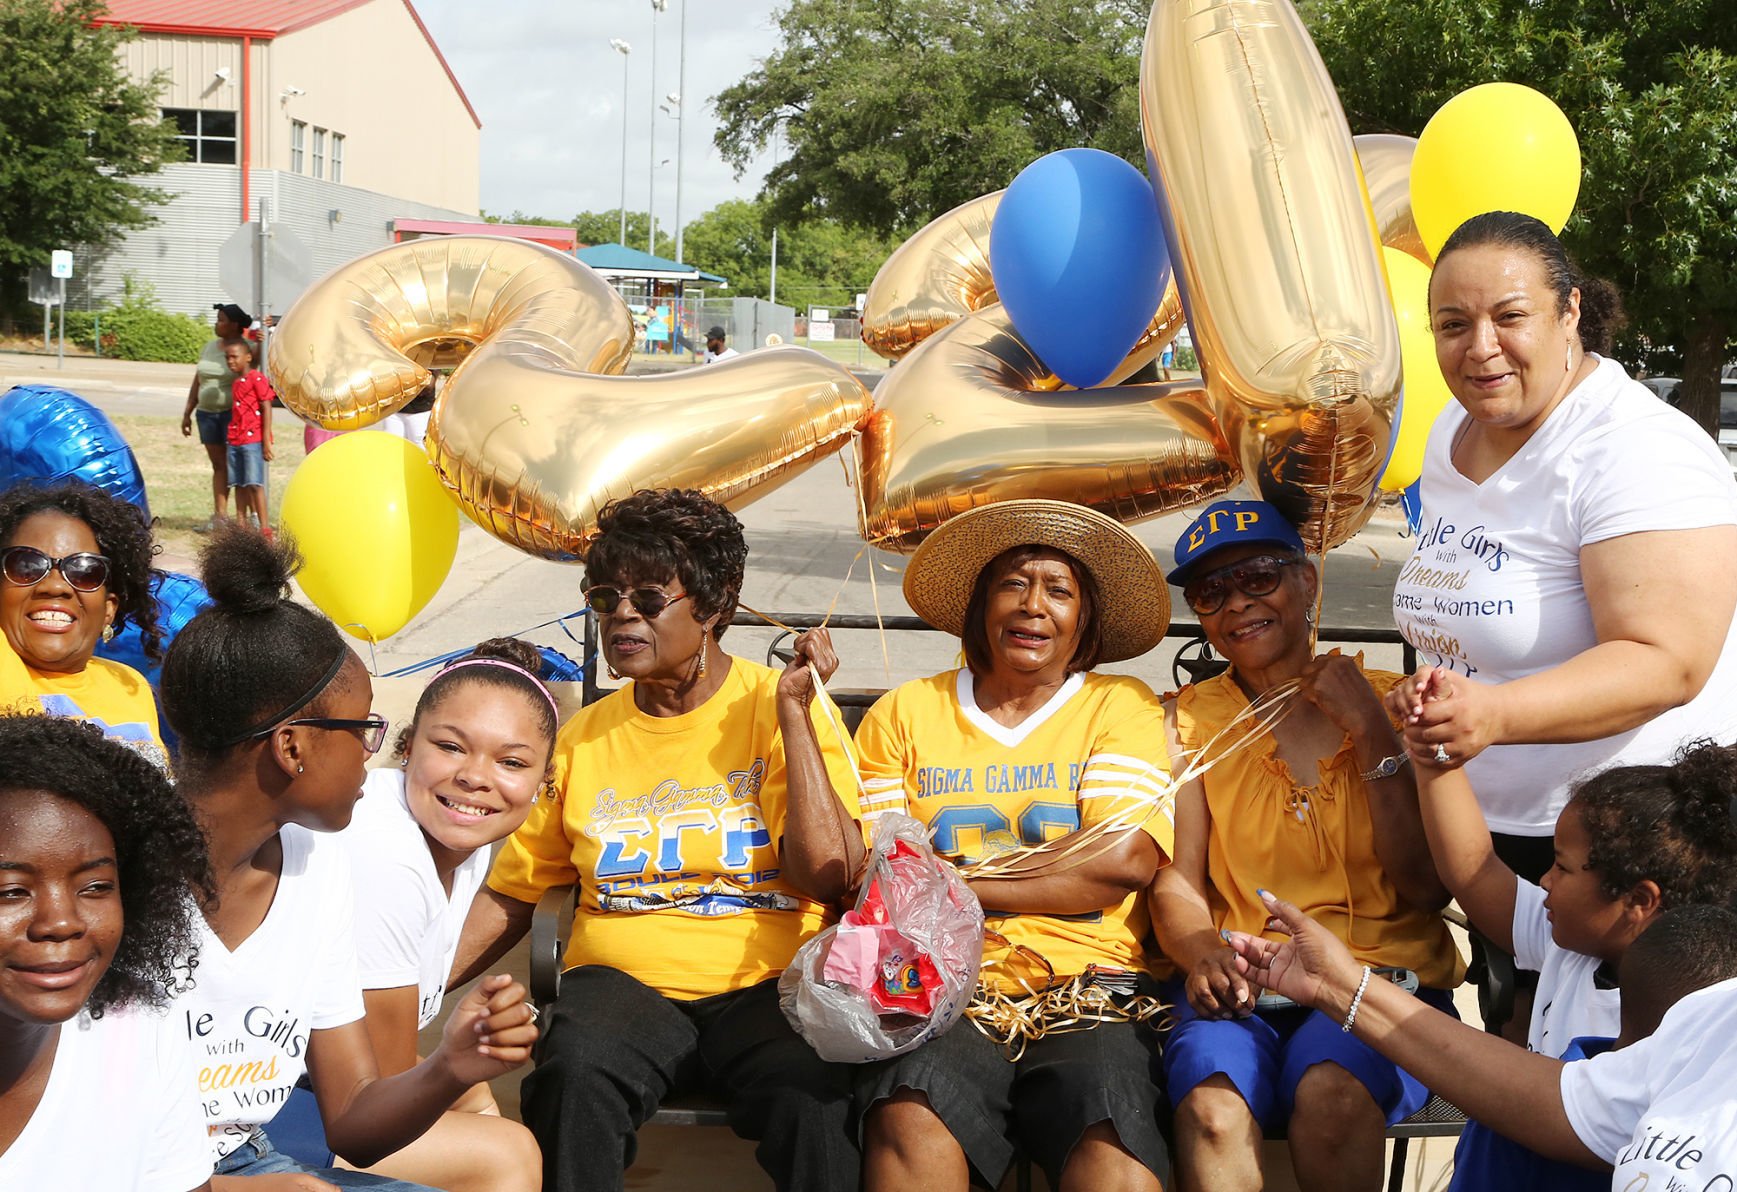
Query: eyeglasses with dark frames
[[647, 602], [25, 566], [372, 730], [1257, 576]]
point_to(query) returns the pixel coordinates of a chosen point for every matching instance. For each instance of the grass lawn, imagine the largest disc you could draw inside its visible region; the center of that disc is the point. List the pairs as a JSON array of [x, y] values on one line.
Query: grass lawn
[[178, 474]]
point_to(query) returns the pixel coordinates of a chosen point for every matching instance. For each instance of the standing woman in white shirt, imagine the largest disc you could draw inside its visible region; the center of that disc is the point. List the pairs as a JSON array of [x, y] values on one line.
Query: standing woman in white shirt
[[1576, 572], [476, 756], [272, 709], [97, 853]]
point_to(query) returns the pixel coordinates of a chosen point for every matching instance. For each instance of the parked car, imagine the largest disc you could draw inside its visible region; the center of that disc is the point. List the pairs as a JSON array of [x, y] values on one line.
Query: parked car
[[1668, 389]]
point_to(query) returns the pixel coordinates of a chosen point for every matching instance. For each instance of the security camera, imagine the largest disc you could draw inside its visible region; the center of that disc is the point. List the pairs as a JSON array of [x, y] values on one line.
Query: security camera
[[294, 91], [223, 73]]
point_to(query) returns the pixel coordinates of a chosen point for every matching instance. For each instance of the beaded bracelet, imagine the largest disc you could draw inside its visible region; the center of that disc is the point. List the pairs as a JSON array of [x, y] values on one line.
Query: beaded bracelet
[[1356, 1000]]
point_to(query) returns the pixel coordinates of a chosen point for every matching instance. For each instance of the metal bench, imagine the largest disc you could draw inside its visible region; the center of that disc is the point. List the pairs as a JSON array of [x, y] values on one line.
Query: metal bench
[[553, 918]]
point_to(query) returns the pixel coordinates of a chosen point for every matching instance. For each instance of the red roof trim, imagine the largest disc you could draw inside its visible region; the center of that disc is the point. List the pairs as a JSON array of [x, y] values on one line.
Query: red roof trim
[[456, 85], [554, 237]]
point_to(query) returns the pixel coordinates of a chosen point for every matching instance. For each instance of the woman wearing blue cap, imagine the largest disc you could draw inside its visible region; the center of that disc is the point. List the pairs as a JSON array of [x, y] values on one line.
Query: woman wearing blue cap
[[1325, 805]]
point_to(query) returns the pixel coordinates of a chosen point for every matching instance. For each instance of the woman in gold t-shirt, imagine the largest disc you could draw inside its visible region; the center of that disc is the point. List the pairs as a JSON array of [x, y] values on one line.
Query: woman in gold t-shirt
[[704, 858], [75, 565], [1323, 808]]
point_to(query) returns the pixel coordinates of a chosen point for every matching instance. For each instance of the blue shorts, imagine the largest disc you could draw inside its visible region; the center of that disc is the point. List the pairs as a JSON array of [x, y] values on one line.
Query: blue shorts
[[247, 465], [1266, 1054], [257, 1156], [213, 426]]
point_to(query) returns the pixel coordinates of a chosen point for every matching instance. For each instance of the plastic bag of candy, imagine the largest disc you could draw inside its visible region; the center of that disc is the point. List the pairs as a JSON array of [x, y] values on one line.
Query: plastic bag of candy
[[900, 966]]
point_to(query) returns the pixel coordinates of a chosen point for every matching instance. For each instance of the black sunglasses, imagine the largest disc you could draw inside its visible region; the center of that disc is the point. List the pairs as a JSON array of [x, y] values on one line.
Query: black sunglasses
[[647, 602], [372, 730], [1258, 576], [25, 565]]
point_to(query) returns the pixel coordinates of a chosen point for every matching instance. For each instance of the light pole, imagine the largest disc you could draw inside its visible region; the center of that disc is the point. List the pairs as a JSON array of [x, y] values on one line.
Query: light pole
[[777, 151], [657, 6], [681, 127], [622, 48]]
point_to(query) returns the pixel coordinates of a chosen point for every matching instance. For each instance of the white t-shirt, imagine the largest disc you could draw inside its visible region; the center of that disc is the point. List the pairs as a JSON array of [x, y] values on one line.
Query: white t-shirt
[[1569, 1003], [1493, 586], [248, 1014], [1663, 1111], [119, 1114], [726, 354], [407, 927]]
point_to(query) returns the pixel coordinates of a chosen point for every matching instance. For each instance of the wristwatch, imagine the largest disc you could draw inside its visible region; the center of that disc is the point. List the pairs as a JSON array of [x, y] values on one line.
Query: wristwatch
[[1387, 767]]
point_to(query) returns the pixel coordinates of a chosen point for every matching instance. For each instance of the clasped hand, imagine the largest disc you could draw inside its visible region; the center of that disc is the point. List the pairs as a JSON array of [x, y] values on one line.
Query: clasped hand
[[490, 1032]]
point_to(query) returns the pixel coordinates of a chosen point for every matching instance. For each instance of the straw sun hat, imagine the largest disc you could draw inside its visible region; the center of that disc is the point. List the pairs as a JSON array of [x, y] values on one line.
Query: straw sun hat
[[1134, 601]]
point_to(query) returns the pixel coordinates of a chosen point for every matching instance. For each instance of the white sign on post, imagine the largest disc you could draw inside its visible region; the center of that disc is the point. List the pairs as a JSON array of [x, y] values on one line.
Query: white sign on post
[[60, 263]]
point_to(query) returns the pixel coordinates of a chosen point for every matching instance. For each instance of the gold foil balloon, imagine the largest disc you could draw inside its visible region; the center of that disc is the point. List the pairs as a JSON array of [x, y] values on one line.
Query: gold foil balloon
[[534, 454], [531, 432], [359, 342], [1386, 162], [938, 276], [1271, 232], [972, 417]]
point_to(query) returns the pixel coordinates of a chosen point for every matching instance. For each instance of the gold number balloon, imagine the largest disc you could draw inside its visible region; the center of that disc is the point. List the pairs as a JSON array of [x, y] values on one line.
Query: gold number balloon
[[938, 276], [972, 417], [1386, 163], [530, 433], [1271, 231]]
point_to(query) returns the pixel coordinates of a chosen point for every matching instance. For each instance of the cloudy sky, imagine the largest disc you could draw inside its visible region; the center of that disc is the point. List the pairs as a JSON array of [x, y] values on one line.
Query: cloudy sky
[[548, 87]]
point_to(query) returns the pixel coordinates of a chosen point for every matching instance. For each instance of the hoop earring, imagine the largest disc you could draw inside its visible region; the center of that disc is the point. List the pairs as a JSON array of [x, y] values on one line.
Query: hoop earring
[[1308, 616], [611, 671], [301, 769]]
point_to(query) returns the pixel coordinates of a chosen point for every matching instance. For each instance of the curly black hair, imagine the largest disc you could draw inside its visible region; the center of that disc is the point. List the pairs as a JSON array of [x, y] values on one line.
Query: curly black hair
[[1674, 825], [672, 533], [1601, 310], [159, 846], [122, 534], [455, 674], [243, 661]]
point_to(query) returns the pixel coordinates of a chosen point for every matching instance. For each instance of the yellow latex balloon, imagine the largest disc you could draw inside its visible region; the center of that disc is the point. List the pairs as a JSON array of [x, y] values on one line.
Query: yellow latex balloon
[[1386, 162], [376, 530], [1271, 231], [1495, 147], [1426, 392]]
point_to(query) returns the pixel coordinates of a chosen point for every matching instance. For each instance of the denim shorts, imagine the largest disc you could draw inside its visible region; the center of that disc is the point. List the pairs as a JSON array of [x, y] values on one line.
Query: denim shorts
[[257, 1156], [247, 465], [213, 426]]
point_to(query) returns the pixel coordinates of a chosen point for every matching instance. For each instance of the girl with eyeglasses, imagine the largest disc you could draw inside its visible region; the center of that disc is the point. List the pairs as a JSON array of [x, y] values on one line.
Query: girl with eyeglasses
[[272, 709], [75, 567], [691, 837], [1325, 807], [97, 856], [474, 760]]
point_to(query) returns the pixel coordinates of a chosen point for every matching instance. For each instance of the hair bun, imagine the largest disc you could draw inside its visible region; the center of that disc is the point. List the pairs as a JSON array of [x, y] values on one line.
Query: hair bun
[[521, 654], [245, 572], [1705, 775]]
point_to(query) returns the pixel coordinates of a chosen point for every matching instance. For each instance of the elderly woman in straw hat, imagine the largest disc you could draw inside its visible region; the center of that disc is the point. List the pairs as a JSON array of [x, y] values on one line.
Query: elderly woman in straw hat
[[1025, 750], [1324, 808]]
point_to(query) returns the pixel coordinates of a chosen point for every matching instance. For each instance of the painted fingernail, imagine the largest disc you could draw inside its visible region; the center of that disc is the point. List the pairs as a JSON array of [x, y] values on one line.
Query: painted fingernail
[[1266, 895], [1225, 936]]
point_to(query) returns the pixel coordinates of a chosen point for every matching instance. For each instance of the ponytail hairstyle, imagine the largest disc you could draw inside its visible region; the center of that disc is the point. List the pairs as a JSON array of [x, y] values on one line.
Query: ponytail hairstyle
[[254, 658], [501, 662], [1601, 312], [1675, 826]]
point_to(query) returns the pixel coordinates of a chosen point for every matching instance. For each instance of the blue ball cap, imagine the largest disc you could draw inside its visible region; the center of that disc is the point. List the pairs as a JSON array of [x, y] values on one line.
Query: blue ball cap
[[1231, 523]]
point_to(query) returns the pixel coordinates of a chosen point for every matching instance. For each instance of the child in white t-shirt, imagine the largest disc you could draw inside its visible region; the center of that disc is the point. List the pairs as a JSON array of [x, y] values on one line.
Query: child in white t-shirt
[[96, 855], [1632, 842], [272, 710], [470, 765]]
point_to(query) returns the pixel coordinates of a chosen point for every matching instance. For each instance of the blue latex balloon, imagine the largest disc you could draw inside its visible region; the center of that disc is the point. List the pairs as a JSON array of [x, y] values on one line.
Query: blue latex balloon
[[558, 668], [49, 434], [1079, 260], [179, 599]]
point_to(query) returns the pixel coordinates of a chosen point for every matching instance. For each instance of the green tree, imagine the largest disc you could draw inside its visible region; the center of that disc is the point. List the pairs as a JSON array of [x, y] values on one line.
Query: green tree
[[76, 135], [820, 261], [1651, 89], [889, 112]]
